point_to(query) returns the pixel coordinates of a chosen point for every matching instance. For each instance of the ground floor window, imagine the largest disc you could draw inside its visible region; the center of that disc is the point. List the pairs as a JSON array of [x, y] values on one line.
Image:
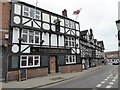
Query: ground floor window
[[29, 61], [70, 59]]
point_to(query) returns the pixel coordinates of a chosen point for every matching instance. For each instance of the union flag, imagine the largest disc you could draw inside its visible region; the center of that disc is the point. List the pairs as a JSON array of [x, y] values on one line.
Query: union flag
[[77, 12]]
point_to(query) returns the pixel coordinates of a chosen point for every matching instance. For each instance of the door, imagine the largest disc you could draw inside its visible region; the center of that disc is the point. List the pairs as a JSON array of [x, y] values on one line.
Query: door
[[52, 64]]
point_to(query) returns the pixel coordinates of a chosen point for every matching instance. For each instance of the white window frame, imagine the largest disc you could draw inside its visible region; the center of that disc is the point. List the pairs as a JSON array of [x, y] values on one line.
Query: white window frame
[[26, 11], [73, 59], [29, 11], [28, 34], [69, 24], [70, 41], [27, 59]]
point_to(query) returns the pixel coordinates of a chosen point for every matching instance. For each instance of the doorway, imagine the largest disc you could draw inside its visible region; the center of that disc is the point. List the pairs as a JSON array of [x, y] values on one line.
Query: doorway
[[52, 64]]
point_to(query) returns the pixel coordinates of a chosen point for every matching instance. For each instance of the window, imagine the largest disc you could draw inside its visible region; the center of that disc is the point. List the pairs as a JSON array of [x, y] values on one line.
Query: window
[[31, 12], [70, 41], [29, 61], [14, 62], [70, 59], [32, 37], [26, 11], [69, 24]]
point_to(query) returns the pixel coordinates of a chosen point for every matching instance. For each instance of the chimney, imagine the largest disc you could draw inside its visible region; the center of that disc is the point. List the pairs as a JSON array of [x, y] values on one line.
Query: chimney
[[64, 13], [91, 32]]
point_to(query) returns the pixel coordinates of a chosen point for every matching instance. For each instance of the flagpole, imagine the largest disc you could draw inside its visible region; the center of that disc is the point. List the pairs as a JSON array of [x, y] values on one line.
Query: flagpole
[[35, 9], [76, 17]]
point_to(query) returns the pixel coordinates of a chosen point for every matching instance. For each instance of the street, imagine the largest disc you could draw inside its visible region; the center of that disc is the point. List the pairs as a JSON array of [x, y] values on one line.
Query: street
[[106, 77]]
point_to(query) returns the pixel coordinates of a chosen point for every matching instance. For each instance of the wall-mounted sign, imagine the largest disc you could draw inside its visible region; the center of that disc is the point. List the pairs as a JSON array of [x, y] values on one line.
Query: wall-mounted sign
[[49, 50]]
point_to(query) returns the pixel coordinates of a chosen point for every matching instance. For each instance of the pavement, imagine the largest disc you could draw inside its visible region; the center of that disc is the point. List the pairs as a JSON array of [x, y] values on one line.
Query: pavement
[[47, 80]]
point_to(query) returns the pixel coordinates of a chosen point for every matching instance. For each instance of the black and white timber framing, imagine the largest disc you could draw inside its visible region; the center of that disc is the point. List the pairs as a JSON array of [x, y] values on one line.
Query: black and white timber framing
[[35, 34], [39, 39]]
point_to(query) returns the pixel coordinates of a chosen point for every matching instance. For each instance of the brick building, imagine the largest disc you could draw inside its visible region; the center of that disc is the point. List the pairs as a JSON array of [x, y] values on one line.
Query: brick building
[[112, 55]]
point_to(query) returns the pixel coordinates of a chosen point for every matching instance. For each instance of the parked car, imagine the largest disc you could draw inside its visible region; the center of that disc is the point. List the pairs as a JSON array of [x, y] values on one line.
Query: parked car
[[115, 62]]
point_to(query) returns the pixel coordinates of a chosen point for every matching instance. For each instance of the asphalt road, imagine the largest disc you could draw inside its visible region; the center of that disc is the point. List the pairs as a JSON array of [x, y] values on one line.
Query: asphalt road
[[106, 77]]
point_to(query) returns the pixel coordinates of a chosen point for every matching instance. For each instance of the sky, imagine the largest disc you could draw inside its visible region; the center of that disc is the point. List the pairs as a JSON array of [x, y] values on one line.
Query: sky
[[99, 15]]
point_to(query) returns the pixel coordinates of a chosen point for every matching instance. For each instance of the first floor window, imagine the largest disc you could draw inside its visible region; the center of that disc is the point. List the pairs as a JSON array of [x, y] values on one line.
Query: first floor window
[[70, 59], [29, 36], [70, 41], [29, 61]]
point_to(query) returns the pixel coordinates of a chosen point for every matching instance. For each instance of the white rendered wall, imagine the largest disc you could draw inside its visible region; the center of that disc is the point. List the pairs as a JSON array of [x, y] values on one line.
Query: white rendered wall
[[54, 40], [15, 35], [45, 37], [17, 9]]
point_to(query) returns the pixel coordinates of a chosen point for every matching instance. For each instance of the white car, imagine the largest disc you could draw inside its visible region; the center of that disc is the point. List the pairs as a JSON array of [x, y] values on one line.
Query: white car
[[115, 62]]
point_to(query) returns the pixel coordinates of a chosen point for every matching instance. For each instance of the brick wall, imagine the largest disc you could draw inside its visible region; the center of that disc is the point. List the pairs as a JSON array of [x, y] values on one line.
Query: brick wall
[[5, 9], [70, 68], [31, 73], [13, 75]]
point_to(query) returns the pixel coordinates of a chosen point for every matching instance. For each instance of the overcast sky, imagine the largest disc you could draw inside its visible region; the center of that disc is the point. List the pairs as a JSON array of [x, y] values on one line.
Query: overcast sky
[[99, 15]]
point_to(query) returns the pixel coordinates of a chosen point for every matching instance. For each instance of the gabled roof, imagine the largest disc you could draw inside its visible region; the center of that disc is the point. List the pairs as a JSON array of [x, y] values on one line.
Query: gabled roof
[[101, 43]]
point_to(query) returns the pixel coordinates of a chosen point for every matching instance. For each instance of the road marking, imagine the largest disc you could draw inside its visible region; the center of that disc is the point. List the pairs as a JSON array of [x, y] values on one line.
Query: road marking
[[103, 82], [113, 80], [105, 79], [99, 85], [111, 83], [108, 86], [108, 77]]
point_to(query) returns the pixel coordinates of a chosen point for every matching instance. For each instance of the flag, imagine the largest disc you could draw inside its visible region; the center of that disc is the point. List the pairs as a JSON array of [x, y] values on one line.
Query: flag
[[76, 12]]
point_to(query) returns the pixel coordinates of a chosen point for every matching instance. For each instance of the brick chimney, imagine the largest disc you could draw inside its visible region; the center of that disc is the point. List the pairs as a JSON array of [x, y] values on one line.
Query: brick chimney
[[64, 13]]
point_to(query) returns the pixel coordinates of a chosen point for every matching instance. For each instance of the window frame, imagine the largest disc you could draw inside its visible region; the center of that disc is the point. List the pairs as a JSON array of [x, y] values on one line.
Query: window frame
[[29, 13], [27, 61], [70, 41], [28, 36], [73, 59]]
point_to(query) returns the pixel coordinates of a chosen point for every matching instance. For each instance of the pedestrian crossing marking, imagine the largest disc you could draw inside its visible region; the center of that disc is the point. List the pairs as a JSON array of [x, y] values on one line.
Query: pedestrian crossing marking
[[108, 86], [111, 83], [99, 85]]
